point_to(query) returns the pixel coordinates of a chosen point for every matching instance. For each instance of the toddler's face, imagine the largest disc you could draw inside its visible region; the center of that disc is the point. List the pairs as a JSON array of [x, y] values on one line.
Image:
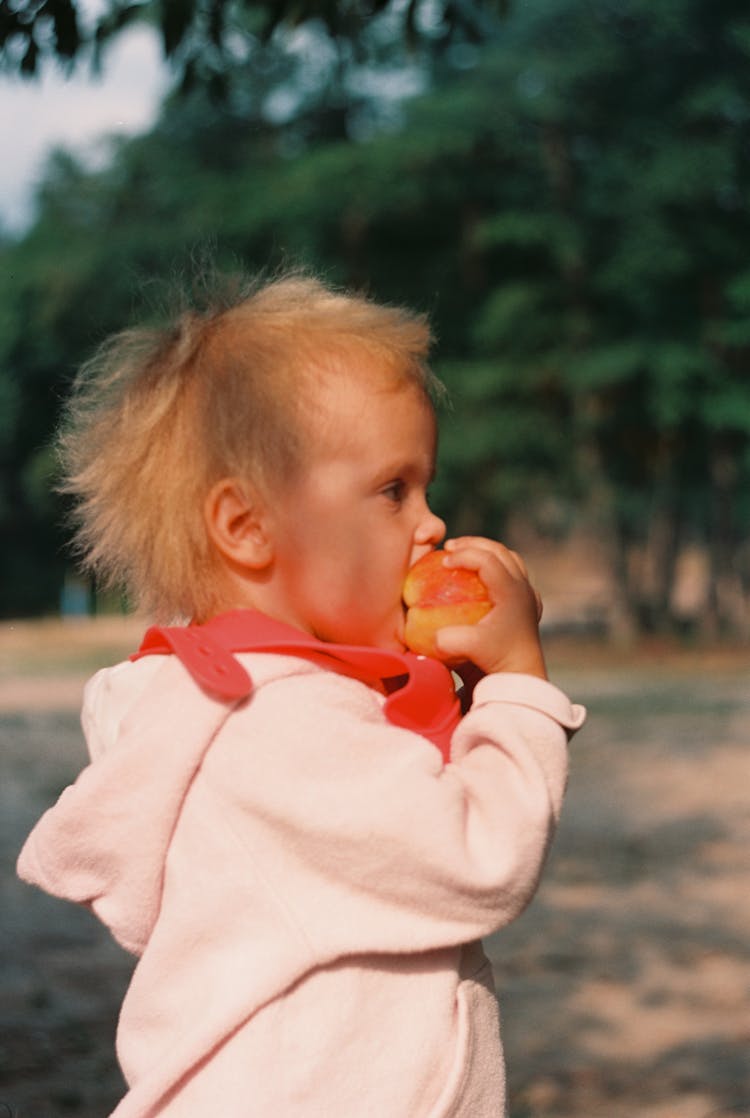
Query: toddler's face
[[348, 530]]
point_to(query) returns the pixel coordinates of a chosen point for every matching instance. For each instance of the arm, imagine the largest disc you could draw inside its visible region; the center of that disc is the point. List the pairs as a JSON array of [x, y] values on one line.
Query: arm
[[368, 839]]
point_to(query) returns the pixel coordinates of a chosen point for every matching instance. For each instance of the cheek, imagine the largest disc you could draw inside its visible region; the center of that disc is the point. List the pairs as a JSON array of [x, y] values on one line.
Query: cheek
[[368, 579]]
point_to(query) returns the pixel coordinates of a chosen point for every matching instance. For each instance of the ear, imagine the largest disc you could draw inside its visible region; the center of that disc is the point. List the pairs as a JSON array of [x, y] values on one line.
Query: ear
[[238, 525]]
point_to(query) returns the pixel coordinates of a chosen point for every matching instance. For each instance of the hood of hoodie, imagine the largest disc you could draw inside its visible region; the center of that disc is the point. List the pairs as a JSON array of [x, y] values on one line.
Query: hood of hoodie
[[105, 841]]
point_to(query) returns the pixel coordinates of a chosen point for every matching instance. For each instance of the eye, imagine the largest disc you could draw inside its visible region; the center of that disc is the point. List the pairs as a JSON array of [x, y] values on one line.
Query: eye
[[395, 491]]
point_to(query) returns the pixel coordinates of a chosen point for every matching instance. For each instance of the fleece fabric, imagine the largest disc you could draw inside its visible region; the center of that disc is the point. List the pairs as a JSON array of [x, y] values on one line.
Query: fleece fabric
[[305, 885]]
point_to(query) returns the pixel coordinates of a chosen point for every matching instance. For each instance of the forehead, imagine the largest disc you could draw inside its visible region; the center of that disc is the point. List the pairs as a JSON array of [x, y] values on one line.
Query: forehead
[[364, 414]]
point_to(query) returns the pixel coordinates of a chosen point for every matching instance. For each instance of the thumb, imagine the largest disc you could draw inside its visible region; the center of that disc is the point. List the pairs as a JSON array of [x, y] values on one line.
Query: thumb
[[456, 642]]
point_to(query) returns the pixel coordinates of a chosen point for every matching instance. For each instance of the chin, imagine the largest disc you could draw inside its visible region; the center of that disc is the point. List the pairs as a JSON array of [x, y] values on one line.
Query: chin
[[389, 635], [391, 641]]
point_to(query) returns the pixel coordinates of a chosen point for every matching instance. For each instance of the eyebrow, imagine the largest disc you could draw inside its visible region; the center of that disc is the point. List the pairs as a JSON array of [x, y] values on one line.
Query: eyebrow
[[409, 469]]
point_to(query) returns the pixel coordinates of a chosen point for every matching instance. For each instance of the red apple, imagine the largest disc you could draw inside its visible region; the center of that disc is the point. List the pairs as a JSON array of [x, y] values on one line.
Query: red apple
[[436, 596]]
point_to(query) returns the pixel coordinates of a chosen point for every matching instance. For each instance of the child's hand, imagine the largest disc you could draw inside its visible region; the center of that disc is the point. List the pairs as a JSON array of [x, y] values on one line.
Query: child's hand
[[507, 638]]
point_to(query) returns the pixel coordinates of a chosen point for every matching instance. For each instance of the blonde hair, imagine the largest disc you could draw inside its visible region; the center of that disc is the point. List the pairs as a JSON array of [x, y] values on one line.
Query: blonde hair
[[160, 414]]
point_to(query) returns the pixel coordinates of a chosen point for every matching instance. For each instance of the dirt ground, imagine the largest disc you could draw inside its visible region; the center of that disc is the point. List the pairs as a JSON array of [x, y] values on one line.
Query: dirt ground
[[625, 988]]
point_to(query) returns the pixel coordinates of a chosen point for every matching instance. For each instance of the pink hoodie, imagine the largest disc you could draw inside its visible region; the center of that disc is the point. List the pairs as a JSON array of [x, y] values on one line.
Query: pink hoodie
[[305, 884]]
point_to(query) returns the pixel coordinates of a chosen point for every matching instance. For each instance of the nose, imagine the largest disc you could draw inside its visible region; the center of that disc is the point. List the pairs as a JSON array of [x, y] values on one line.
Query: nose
[[430, 531]]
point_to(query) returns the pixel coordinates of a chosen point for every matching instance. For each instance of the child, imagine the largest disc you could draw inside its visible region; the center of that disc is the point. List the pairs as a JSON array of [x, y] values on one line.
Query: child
[[266, 820]]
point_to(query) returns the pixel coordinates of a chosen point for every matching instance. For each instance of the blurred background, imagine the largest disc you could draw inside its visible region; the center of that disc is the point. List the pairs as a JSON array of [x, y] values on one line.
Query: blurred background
[[562, 185]]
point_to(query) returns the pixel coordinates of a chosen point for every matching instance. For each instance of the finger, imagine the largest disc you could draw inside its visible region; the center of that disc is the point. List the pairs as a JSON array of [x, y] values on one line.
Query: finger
[[494, 547], [456, 643], [483, 560], [455, 542]]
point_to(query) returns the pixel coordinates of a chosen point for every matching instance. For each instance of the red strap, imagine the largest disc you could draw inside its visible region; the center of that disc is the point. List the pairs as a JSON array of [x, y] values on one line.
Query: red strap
[[420, 691], [210, 663]]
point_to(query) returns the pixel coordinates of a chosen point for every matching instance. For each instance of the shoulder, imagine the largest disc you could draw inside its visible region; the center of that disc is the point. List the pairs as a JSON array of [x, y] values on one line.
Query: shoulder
[[293, 685], [109, 696], [290, 696], [309, 742]]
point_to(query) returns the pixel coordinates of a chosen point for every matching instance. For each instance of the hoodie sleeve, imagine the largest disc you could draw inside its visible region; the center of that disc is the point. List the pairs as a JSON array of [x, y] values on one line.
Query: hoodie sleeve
[[368, 840]]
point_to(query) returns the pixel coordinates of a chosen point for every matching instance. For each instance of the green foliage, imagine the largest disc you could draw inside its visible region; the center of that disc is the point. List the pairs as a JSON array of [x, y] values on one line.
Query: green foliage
[[203, 38], [570, 205]]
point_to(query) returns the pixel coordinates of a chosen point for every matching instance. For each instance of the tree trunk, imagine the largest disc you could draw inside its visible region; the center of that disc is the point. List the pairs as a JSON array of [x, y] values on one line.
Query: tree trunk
[[727, 613]]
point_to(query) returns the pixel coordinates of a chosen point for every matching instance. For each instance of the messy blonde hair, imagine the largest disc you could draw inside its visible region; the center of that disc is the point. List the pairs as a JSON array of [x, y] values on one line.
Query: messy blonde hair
[[160, 414]]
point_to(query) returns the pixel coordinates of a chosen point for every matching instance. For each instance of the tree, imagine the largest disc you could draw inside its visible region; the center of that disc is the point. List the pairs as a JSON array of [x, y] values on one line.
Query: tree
[[570, 205], [578, 204], [200, 37]]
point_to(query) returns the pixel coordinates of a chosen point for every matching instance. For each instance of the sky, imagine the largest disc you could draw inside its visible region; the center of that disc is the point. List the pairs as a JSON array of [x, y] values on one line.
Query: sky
[[76, 113]]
